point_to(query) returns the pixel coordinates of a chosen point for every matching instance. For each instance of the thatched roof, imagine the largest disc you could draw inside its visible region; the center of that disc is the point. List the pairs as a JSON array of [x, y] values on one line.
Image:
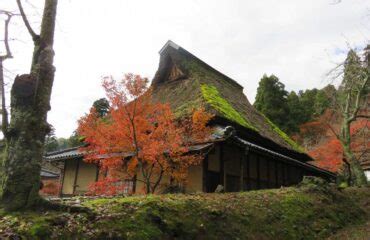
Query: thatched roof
[[186, 82]]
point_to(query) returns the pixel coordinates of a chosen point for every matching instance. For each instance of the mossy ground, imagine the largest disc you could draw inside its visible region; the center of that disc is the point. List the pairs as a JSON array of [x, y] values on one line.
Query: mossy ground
[[287, 213]]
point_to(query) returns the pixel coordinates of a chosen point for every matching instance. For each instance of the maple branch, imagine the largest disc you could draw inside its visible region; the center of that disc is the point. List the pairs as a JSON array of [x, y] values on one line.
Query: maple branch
[[333, 131], [150, 171], [363, 116], [362, 154], [159, 179], [34, 36]]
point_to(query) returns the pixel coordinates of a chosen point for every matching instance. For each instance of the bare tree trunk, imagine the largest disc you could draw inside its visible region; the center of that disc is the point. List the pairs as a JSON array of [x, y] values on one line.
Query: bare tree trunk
[[357, 176], [30, 102], [349, 173], [353, 95], [7, 55], [4, 112], [159, 179]]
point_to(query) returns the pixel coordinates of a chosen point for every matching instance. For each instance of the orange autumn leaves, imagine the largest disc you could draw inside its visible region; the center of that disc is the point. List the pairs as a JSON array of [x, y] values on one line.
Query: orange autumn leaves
[[139, 136], [325, 147]]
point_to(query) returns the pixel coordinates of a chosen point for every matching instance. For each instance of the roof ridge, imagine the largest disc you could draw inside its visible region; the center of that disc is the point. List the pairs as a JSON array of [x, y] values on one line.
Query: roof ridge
[[62, 151], [177, 47]]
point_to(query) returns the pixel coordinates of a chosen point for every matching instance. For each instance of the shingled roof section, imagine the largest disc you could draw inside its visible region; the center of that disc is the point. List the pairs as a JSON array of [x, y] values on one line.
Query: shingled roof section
[[64, 154], [186, 82]]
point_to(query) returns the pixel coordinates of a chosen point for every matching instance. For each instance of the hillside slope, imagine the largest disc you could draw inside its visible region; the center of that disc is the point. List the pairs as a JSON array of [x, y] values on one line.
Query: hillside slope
[[307, 212]]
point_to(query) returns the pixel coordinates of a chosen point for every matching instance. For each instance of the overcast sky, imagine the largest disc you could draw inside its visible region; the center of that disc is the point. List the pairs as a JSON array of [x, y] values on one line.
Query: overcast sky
[[299, 41]]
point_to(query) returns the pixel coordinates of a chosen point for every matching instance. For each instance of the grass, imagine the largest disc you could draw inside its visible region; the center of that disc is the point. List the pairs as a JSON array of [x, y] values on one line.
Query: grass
[[287, 213], [356, 232]]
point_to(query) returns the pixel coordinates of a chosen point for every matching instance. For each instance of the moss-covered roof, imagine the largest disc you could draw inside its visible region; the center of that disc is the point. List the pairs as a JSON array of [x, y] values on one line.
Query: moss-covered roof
[[186, 82]]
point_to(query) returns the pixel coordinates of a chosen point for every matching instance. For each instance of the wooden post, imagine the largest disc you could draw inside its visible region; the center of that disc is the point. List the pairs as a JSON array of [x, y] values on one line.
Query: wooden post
[[134, 179], [97, 173], [268, 173], [283, 174], [248, 171], [276, 174], [61, 179], [258, 172], [76, 175], [244, 165], [242, 158], [205, 174], [222, 167]]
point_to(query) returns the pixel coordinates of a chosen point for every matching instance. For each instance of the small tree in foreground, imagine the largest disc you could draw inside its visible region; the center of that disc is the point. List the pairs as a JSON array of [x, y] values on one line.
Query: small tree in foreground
[[138, 136]]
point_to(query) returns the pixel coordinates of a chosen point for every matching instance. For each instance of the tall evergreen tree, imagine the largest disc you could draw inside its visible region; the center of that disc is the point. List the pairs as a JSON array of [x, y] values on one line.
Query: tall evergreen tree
[[102, 106], [323, 99], [352, 98], [296, 112], [271, 100]]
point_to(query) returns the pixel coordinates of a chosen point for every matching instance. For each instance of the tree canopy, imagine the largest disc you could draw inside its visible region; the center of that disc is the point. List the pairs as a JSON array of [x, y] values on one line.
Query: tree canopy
[[141, 137], [271, 100], [289, 110]]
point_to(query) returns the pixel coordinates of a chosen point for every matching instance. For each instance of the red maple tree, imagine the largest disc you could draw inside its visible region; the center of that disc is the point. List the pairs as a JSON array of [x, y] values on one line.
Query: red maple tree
[[140, 137], [319, 137]]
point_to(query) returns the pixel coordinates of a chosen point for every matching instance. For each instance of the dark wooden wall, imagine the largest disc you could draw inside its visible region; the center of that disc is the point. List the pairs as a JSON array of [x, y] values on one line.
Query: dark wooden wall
[[241, 169]]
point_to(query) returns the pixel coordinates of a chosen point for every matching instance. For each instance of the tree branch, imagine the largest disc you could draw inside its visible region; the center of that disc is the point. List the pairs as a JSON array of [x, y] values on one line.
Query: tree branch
[[333, 131], [363, 116], [4, 112], [8, 53], [362, 154], [34, 36], [358, 98]]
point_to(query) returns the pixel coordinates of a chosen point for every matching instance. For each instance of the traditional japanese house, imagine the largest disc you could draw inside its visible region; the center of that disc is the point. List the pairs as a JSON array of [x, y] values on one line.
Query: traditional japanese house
[[247, 150]]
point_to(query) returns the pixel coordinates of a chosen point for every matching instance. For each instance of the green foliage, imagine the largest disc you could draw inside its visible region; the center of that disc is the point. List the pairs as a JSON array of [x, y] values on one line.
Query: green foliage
[[74, 140], [324, 99], [307, 102], [354, 75], [289, 111], [213, 97], [101, 106], [39, 230], [343, 185], [271, 100], [52, 143], [296, 112]]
